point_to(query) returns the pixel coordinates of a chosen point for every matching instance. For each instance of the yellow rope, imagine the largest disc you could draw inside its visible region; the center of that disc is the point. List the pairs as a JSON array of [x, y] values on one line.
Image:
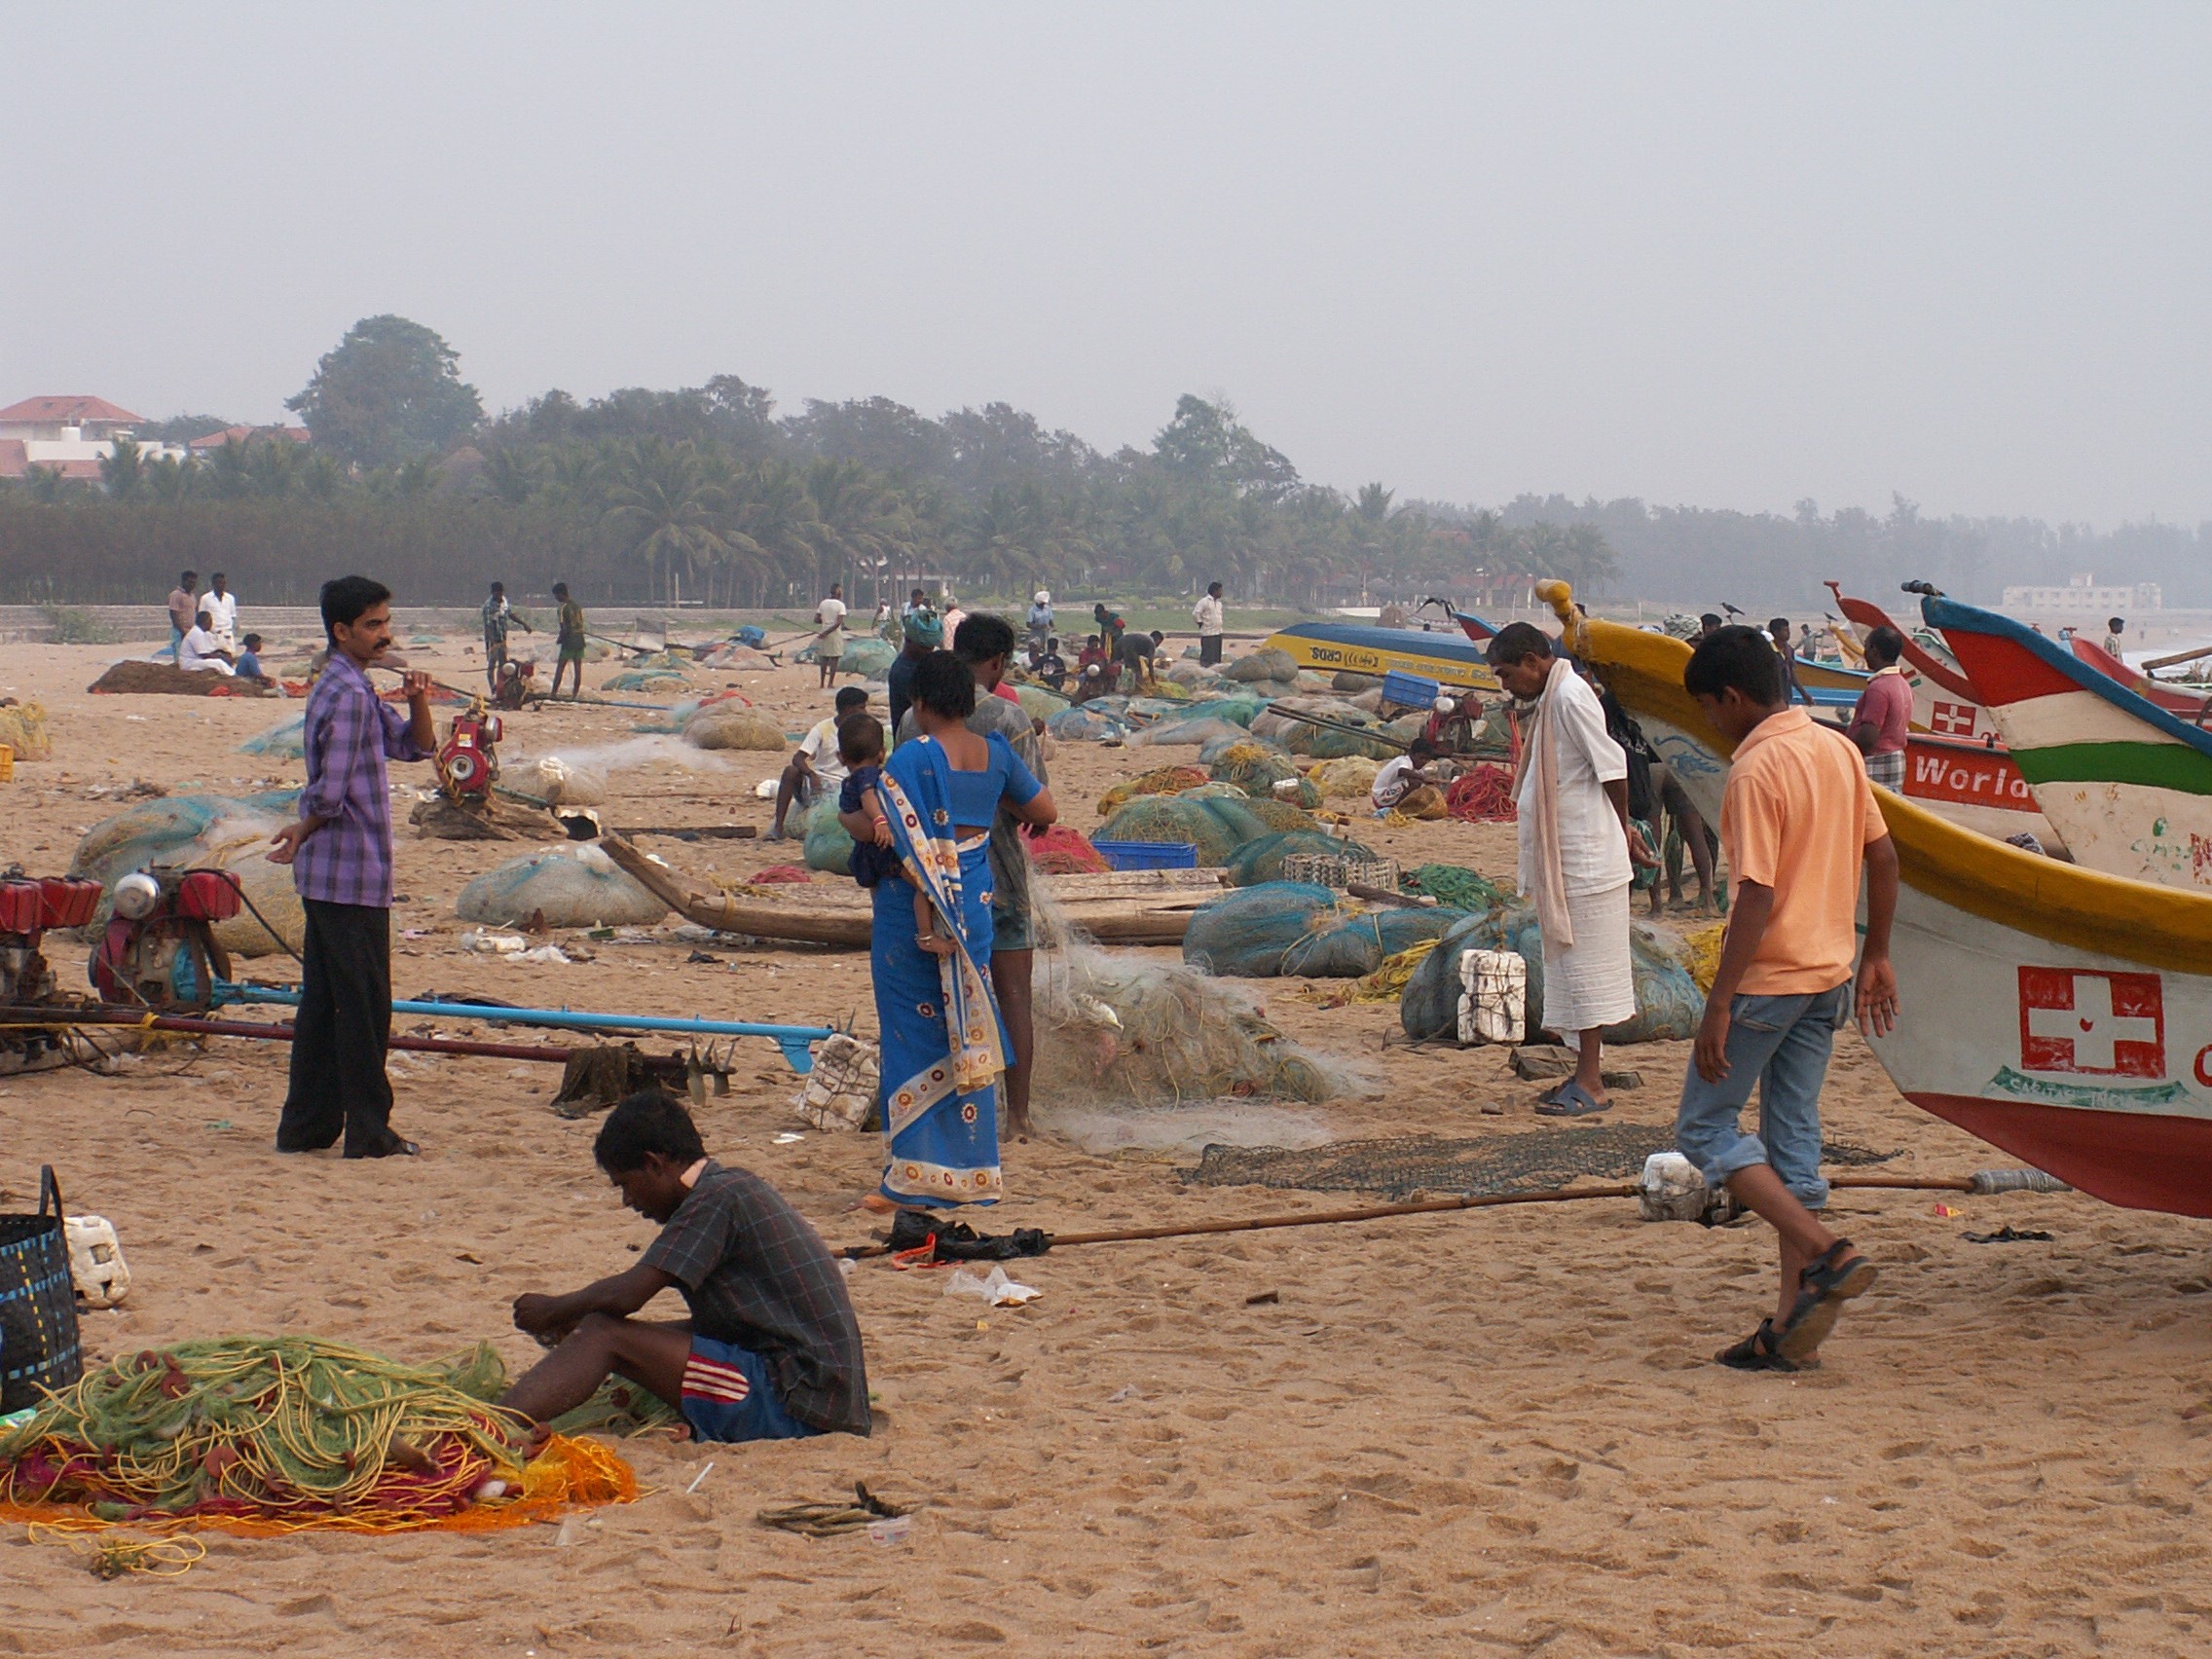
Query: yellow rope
[[116, 1558]]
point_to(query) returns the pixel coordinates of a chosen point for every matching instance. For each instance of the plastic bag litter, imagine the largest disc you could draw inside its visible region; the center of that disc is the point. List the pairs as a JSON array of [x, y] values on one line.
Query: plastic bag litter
[[1668, 1002], [206, 833], [998, 1290], [827, 845], [1350, 777], [1297, 928], [1269, 663], [712, 727], [867, 657], [1217, 827], [1160, 780], [1261, 861], [578, 888], [1084, 723], [25, 729], [286, 740], [1191, 733]]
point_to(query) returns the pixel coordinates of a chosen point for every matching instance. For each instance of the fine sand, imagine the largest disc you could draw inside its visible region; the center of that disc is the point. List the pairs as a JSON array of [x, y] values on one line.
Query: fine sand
[[1485, 1432]]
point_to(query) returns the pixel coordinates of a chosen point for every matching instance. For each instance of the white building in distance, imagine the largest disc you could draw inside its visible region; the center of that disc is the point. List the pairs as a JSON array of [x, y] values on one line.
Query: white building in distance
[[68, 435], [2082, 596]]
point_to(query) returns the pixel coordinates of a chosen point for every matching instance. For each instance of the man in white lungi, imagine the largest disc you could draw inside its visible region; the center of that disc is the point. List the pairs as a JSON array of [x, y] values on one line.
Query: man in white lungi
[[1577, 857]]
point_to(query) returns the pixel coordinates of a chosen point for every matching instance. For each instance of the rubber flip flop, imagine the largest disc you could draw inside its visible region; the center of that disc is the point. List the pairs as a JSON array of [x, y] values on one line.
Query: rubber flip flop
[[1570, 1100]]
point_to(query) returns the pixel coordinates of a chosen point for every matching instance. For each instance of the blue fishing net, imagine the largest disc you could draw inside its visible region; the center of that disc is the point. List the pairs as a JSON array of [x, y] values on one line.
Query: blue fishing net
[[1668, 1002], [1261, 861], [1290, 928]]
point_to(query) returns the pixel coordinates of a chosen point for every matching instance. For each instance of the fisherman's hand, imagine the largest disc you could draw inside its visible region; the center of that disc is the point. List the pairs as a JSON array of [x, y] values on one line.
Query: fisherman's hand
[[1713, 1041], [284, 845], [536, 1313], [1639, 852], [1877, 996], [417, 684]]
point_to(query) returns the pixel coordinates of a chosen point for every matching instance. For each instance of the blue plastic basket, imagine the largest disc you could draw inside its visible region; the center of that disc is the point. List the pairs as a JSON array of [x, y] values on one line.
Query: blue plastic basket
[[1410, 690], [1148, 855]]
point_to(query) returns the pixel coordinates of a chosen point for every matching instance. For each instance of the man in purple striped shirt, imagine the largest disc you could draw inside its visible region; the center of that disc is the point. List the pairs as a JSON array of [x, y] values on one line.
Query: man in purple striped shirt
[[339, 851]]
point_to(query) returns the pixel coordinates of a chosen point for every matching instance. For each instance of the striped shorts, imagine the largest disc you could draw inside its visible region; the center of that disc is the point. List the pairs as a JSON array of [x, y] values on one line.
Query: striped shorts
[[729, 1393]]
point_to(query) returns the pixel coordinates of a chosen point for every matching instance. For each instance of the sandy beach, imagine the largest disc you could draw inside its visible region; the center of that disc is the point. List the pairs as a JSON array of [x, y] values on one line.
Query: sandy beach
[[1489, 1432]]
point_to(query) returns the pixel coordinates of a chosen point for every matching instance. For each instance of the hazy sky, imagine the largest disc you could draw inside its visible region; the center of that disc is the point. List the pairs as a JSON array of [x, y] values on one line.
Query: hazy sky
[[1723, 255]]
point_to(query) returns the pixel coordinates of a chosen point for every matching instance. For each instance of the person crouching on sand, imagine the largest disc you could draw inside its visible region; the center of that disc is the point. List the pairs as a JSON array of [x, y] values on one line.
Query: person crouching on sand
[[1799, 822], [771, 1350]]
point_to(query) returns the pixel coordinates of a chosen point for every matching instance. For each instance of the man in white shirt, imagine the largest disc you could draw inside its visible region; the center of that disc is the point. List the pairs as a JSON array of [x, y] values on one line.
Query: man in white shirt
[[1577, 858], [1208, 614], [1402, 774], [220, 606], [200, 651], [817, 767], [830, 642]]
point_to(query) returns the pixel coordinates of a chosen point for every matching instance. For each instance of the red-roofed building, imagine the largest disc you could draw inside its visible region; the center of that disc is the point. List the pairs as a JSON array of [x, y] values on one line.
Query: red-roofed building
[[68, 435], [68, 420], [204, 447]]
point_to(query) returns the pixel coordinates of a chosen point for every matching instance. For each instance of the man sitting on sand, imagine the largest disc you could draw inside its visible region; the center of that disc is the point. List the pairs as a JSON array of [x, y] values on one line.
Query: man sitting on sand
[[815, 768], [1799, 822], [200, 651], [771, 1350]]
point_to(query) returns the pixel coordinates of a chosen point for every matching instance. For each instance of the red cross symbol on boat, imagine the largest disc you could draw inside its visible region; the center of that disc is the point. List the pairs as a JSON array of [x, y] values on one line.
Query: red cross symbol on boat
[[2078, 1019], [1951, 719]]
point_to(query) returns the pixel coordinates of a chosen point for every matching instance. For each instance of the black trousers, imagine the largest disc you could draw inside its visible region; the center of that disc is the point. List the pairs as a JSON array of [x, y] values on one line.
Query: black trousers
[[1209, 650], [342, 1026]]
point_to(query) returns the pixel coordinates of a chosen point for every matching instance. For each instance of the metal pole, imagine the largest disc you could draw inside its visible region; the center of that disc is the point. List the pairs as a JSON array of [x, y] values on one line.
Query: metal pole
[[795, 1041]]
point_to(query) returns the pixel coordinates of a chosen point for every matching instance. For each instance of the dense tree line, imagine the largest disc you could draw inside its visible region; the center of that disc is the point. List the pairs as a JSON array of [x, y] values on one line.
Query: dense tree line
[[707, 493]]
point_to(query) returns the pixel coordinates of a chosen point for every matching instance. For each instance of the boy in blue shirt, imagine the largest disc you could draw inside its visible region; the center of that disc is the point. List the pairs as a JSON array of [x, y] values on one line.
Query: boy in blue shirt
[[249, 661]]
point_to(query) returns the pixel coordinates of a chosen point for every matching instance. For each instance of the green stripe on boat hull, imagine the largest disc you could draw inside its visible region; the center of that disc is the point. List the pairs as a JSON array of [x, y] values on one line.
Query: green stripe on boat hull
[[2150, 766]]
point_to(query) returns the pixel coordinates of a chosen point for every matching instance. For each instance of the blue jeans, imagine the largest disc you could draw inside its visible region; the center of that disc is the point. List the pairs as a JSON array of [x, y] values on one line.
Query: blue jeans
[[1782, 1044]]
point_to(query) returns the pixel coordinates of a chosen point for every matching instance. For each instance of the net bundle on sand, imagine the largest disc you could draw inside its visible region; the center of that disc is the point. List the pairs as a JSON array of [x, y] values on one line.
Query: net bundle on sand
[[208, 832], [137, 678], [286, 1434], [25, 730]]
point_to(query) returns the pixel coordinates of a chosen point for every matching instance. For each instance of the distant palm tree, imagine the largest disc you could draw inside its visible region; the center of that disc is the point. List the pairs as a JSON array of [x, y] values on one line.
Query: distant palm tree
[[662, 510], [122, 469]]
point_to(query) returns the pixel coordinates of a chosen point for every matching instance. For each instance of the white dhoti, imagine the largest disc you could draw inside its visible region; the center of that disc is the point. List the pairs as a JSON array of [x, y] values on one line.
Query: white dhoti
[[1592, 982]]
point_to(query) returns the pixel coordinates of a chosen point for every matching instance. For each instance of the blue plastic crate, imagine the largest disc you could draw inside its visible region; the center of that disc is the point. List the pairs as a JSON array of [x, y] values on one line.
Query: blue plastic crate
[[1148, 855], [1410, 690]]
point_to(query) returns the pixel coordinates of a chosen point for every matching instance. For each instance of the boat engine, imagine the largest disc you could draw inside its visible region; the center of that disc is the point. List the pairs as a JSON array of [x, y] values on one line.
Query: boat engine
[[159, 952], [29, 905], [469, 760]]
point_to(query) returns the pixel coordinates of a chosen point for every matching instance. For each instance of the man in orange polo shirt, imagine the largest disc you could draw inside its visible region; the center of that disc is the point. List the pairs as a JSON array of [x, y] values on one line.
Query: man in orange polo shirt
[[1799, 825]]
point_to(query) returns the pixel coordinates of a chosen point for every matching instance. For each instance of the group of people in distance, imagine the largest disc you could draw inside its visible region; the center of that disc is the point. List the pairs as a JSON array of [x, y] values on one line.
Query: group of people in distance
[[203, 631]]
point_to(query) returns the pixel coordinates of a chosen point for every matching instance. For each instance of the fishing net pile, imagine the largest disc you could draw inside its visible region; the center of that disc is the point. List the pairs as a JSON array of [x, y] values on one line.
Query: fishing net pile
[[870, 659], [286, 740], [206, 833], [1456, 885], [570, 888], [1041, 702], [1328, 742], [1213, 751], [1064, 851], [668, 679], [1484, 795], [137, 676], [1349, 778], [1216, 819], [1083, 723], [1160, 780], [25, 730], [1295, 928], [1257, 770], [719, 726], [1271, 671], [290, 1433], [1668, 1002], [1192, 732], [826, 844]]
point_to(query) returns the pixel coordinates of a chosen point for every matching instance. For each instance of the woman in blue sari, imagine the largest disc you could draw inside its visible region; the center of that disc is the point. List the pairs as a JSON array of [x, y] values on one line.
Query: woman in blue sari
[[944, 1047]]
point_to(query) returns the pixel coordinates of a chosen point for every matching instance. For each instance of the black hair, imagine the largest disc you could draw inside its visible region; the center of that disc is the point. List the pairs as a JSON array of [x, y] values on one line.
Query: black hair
[[1422, 749], [189, 576], [1157, 635], [560, 590], [1777, 624], [851, 697], [345, 598], [219, 576], [1886, 641], [1213, 587], [859, 740], [253, 642], [1710, 620], [1517, 641], [1739, 657], [499, 587], [1091, 638], [978, 639], [2115, 623], [944, 685], [1052, 642], [651, 1121]]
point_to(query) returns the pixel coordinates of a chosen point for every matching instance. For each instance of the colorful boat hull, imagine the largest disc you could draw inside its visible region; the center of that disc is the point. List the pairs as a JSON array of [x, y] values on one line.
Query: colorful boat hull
[[1944, 702], [2194, 706], [1357, 647], [2059, 1014], [2126, 783]]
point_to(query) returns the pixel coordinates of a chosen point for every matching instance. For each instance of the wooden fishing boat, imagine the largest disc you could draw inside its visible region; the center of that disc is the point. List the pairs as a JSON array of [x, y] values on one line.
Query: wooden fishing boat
[[1137, 907], [1944, 701], [2062, 1015], [2193, 705], [2128, 784], [1359, 647]]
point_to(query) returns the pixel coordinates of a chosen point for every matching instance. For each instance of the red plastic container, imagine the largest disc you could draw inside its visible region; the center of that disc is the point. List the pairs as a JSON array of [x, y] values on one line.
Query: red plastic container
[[23, 905], [207, 896], [69, 901]]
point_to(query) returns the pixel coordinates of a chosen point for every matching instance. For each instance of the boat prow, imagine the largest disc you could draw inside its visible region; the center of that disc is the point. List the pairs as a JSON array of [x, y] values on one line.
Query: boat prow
[[1359, 647], [2060, 1014]]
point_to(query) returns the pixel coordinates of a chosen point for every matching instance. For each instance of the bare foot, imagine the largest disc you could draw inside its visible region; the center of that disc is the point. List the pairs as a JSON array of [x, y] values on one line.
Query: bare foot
[[876, 1204]]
